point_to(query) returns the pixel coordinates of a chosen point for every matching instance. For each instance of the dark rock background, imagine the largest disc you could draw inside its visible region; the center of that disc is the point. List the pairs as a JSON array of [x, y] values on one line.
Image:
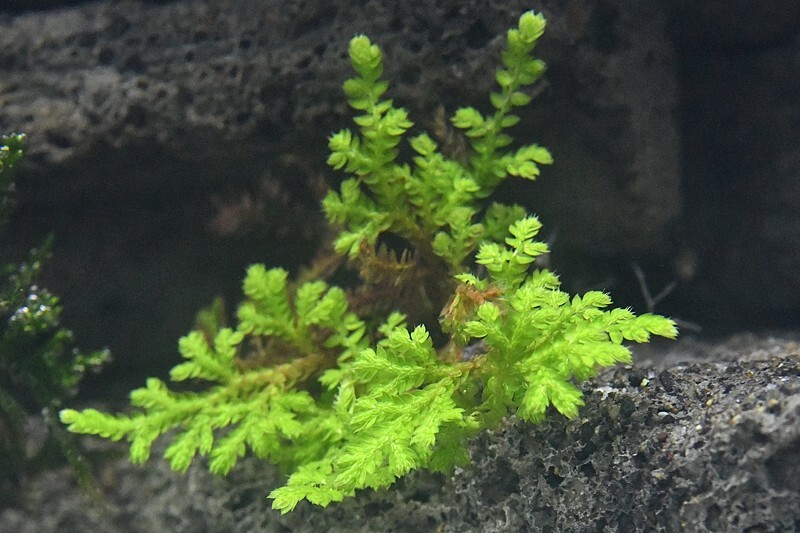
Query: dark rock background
[[740, 123], [172, 143]]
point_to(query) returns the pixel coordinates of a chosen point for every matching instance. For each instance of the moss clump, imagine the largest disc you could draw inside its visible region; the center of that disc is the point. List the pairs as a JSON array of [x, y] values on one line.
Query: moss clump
[[333, 385]]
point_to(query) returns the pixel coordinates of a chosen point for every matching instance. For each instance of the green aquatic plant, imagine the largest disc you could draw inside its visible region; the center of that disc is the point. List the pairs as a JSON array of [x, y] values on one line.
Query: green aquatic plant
[[39, 366], [332, 384], [12, 148]]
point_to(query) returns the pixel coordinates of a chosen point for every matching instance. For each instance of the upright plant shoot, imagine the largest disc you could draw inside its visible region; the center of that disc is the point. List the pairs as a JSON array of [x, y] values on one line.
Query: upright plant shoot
[[352, 388]]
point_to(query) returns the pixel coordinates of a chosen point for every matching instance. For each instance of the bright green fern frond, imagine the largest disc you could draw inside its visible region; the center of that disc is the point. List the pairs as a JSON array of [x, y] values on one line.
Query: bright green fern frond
[[542, 340], [509, 265], [206, 362], [498, 218], [366, 58], [393, 434], [311, 481], [267, 310], [357, 212], [489, 163], [546, 388], [260, 420], [402, 361], [94, 422]]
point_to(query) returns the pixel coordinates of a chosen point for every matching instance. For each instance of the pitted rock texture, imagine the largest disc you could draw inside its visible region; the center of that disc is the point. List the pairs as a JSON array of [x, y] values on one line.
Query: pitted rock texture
[[707, 444], [203, 78], [718, 444]]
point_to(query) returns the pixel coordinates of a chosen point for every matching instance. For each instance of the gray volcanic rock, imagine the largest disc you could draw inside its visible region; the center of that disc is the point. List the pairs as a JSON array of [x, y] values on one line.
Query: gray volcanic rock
[[708, 444], [200, 79]]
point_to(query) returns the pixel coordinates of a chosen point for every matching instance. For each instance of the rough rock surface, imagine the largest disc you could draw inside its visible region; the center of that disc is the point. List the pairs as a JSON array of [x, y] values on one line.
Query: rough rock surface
[[695, 437], [199, 77]]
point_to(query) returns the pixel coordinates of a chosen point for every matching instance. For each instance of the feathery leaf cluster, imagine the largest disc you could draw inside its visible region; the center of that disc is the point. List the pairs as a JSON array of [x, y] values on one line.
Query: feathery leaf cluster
[[313, 331], [434, 202], [345, 395]]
